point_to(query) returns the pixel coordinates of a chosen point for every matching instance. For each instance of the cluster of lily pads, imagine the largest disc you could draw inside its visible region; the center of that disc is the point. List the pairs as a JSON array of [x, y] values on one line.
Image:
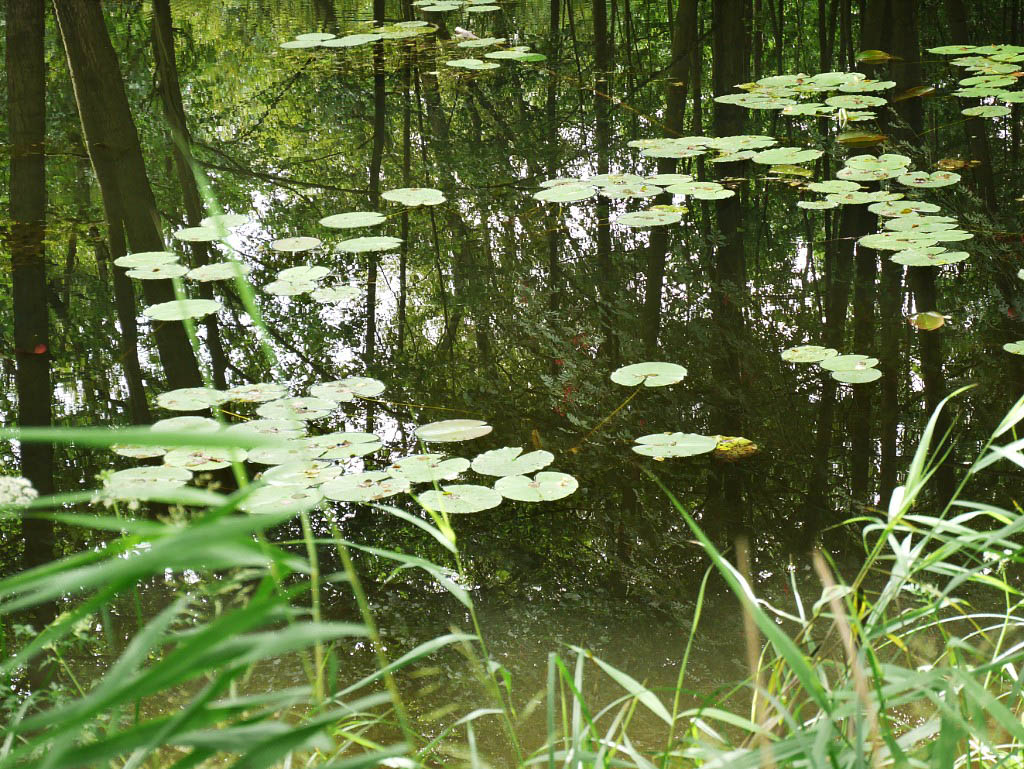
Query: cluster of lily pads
[[993, 67], [848, 369], [401, 30], [624, 186], [854, 101], [306, 469]]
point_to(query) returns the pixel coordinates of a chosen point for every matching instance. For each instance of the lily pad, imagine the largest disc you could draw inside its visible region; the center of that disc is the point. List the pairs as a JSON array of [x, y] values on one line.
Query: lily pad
[[857, 376], [666, 445], [296, 244], [650, 374], [146, 259], [415, 196], [361, 245], [308, 473], [281, 499], [332, 294], [289, 287], [428, 468], [786, 155], [344, 390], [139, 452], [650, 218], [450, 430], [903, 208], [848, 363], [565, 193], [364, 487], [297, 451], [923, 179], [807, 353], [510, 460], [282, 428], [304, 409], [199, 234], [192, 424], [353, 219], [986, 110], [158, 272], [543, 487], [304, 273], [143, 482], [259, 392], [351, 41], [925, 258], [817, 205], [201, 459], [218, 271], [460, 498], [344, 445], [474, 64], [191, 399], [833, 185], [1017, 348], [179, 309]]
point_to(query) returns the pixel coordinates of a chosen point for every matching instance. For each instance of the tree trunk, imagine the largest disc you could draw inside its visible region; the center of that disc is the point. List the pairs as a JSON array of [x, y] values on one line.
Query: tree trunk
[[116, 155], [181, 148]]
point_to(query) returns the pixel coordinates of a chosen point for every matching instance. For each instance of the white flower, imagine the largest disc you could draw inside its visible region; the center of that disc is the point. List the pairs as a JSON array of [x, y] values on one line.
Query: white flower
[[16, 491]]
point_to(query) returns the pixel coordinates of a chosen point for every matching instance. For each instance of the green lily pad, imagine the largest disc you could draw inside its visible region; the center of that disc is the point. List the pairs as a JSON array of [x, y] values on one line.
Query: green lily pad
[[951, 236], [481, 42], [281, 499], [259, 392], [191, 399], [857, 376], [923, 179], [833, 185], [919, 223], [903, 208], [848, 363], [218, 271], [807, 353], [483, 8], [786, 156], [627, 191], [351, 41], [415, 196], [290, 44], [665, 180], [565, 193], [295, 245], [671, 445], [986, 110], [344, 445], [650, 218], [144, 482], [450, 430], [361, 245], [474, 64], [158, 272], [460, 498], [283, 455], [817, 205], [428, 468], [289, 287], [202, 460], [364, 487], [863, 86], [199, 234], [191, 424], [649, 374], [281, 428], [344, 390], [179, 309], [332, 294], [543, 487], [898, 241], [304, 409], [511, 461], [139, 452], [855, 101], [308, 473], [303, 273], [924, 258], [1017, 348], [146, 259], [353, 219]]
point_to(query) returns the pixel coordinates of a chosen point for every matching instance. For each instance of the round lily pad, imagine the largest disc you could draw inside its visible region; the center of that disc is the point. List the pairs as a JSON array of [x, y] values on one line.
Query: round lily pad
[[297, 451], [1017, 348], [281, 499], [817, 205], [201, 460], [353, 219], [158, 271], [199, 234], [565, 193], [986, 110], [191, 399], [304, 409], [450, 430], [290, 44], [664, 180], [179, 309], [857, 376], [283, 428], [903, 208], [318, 37], [139, 452], [344, 390], [833, 185], [477, 64], [259, 392], [350, 41], [665, 445], [923, 179], [364, 487], [510, 460], [786, 155], [218, 271], [415, 196], [650, 218], [308, 473], [332, 294], [543, 487], [142, 482], [428, 468], [344, 445], [481, 42], [192, 424], [289, 287], [373, 243], [460, 498], [855, 101], [651, 374], [926, 258], [848, 363], [898, 241], [146, 259], [807, 353], [296, 244], [303, 273], [627, 191]]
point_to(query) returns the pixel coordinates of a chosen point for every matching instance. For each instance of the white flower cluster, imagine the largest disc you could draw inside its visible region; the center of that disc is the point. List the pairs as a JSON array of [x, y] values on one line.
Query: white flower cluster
[[16, 491]]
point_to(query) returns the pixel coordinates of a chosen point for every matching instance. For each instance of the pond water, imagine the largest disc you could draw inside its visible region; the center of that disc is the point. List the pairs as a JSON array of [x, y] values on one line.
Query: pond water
[[515, 299]]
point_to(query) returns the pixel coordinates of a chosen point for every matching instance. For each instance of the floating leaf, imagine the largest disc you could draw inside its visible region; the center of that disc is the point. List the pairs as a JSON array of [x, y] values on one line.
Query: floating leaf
[[294, 245], [874, 56], [202, 460], [848, 363], [191, 399], [415, 196], [282, 428], [786, 155], [158, 272], [259, 392], [143, 482], [218, 271], [364, 487], [450, 430], [146, 259], [924, 179], [649, 374], [344, 390], [361, 245], [332, 294], [925, 258], [511, 461], [565, 193], [297, 408], [460, 498], [1017, 348], [481, 42], [986, 110], [664, 180], [281, 499], [650, 218], [958, 50], [927, 321], [199, 234], [898, 241], [283, 455], [288, 44], [865, 85], [289, 287], [192, 424], [833, 185], [626, 191], [807, 353], [428, 468], [179, 309], [309, 473], [353, 219], [139, 452], [303, 273], [903, 207], [476, 64], [351, 41], [344, 445], [543, 487], [665, 445], [817, 205], [733, 448], [857, 376]]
